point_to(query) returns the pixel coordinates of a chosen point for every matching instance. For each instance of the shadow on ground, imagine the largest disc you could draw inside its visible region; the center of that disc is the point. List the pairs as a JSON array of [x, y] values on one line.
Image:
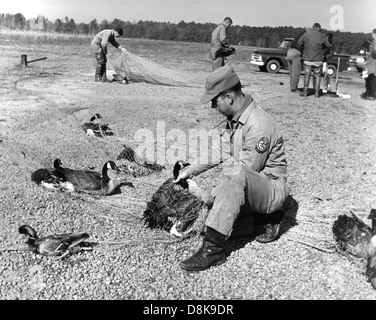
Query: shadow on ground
[[245, 229]]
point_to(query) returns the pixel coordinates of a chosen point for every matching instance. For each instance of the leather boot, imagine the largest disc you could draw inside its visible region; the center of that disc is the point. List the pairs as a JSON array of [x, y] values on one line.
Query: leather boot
[[210, 254], [98, 73], [104, 73], [272, 227]]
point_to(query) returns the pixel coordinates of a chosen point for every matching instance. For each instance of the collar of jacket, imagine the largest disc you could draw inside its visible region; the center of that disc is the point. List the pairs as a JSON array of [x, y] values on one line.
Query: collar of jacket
[[243, 117]]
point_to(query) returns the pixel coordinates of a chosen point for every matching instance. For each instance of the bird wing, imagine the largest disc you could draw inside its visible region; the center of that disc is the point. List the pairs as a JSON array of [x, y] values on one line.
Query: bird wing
[[83, 179], [90, 125], [57, 244]]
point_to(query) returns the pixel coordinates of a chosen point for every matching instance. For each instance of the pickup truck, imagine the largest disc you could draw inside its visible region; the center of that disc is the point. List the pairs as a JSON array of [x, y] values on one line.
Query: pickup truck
[[274, 59]]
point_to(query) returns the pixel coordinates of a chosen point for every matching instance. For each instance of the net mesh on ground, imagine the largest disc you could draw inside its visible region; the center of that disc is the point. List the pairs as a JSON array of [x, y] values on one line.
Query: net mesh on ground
[[138, 69]]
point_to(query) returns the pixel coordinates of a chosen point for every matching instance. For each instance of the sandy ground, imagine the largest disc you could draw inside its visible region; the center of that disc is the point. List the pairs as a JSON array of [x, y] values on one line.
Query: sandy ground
[[330, 145]]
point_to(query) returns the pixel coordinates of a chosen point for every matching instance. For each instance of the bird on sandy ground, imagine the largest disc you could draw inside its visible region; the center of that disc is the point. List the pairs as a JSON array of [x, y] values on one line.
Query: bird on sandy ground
[[118, 77], [90, 181], [136, 165], [94, 128], [59, 245], [175, 207], [47, 178], [354, 237]]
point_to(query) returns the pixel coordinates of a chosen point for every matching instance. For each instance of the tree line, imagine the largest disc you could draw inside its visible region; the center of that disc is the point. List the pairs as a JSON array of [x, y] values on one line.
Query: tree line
[[345, 42]]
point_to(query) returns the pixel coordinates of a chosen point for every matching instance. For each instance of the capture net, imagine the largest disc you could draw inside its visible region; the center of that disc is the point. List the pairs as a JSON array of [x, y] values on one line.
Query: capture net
[[138, 69], [172, 205]]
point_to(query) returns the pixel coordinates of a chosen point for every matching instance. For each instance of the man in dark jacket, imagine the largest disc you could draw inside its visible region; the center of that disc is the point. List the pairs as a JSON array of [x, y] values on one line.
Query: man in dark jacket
[[294, 62], [99, 44], [313, 41]]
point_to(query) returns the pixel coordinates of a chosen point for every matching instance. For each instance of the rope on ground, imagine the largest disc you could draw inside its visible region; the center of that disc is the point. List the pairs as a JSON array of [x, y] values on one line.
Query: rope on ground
[[327, 250]]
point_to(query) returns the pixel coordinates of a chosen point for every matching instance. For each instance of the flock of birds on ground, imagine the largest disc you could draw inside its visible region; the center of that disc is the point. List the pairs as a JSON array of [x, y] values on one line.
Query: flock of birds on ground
[[174, 207]]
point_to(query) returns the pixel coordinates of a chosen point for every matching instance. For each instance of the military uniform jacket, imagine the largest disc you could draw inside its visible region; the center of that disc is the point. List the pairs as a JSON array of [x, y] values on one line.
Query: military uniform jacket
[[103, 38], [253, 140], [219, 37]]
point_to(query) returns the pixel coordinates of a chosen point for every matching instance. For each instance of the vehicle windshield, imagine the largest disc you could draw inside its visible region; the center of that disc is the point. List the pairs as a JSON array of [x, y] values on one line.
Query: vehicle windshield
[[285, 44]]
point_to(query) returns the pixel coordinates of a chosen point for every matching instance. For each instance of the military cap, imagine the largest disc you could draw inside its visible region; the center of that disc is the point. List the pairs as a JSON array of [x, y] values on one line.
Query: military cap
[[220, 80]]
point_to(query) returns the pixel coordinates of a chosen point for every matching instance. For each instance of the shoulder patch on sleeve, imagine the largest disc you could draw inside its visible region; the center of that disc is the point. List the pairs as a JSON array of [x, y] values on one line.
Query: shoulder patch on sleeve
[[262, 145]]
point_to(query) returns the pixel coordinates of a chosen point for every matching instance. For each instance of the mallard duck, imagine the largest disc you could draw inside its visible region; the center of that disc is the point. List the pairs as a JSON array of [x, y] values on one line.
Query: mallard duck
[[353, 236], [88, 180], [173, 207], [58, 245], [135, 164], [94, 128]]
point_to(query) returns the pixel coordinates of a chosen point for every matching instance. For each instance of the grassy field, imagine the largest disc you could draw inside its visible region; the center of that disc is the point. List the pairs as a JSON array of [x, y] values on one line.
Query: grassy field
[[330, 146]]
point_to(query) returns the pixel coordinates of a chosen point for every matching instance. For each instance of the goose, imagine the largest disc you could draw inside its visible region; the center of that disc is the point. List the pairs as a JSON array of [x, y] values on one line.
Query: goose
[[90, 181], [136, 164], [354, 237], [119, 78], [59, 245], [174, 207], [93, 128], [48, 178]]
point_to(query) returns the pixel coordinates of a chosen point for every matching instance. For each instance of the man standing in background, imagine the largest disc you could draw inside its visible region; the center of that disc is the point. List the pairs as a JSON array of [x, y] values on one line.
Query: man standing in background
[[294, 62], [220, 46], [313, 42], [370, 65], [99, 44]]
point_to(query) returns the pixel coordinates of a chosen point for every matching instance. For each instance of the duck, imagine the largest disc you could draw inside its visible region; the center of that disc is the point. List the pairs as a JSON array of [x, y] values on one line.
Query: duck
[[59, 245], [93, 128], [47, 178], [356, 238], [173, 206], [135, 164], [90, 181]]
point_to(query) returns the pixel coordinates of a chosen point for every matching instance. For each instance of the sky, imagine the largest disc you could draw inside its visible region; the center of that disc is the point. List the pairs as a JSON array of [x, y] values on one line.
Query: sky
[[344, 15]]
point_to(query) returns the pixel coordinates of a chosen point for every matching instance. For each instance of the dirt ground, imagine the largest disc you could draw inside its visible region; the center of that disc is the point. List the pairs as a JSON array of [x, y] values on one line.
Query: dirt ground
[[330, 146]]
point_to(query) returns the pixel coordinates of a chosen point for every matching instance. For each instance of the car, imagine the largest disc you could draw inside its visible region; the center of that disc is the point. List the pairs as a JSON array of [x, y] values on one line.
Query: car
[[274, 59]]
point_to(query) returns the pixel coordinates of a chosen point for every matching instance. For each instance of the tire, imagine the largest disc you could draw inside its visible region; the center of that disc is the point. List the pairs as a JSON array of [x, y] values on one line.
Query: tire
[[332, 70], [262, 68], [273, 66]]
